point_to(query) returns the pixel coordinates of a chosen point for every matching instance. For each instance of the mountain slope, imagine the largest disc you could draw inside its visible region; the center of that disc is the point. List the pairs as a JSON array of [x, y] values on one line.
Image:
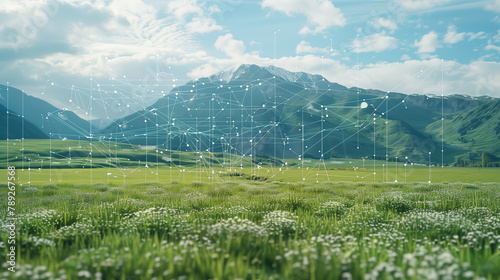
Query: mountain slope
[[476, 130], [15, 125], [43, 115]]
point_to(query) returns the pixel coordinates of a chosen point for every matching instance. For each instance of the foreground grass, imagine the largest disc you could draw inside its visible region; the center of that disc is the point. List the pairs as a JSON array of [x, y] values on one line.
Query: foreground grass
[[257, 231]]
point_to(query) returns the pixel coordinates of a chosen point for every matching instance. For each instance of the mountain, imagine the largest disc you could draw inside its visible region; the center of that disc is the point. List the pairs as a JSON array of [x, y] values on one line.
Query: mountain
[[268, 111], [15, 123], [46, 117]]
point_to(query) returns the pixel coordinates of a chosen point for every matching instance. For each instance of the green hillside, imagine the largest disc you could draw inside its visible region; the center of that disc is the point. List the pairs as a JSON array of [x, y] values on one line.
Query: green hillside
[[474, 132], [16, 125]]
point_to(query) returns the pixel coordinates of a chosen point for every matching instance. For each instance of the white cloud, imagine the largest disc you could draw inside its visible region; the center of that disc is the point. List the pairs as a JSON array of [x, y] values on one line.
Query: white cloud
[[196, 15], [206, 70], [385, 23], [305, 47], [9, 6], [233, 48], [119, 30], [123, 26], [214, 9], [307, 30], [405, 57], [109, 39], [203, 25], [492, 47], [376, 43], [419, 76], [493, 5], [429, 43], [452, 36], [478, 35], [422, 4], [476, 78], [321, 14], [183, 8], [496, 38]]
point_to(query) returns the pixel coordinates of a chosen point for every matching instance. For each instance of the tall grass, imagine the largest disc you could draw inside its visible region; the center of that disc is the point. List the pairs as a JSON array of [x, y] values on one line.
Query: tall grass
[[256, 230]]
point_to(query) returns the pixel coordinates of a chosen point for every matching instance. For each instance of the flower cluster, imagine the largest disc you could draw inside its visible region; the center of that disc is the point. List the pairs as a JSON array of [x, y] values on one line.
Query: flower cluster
[[422, 264], [84, 229], [331, 209], [236, 227], [280, 223], [39, 223]]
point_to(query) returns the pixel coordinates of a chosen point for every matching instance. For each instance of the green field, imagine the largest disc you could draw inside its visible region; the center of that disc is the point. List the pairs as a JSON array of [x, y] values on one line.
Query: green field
[[72, 161], [255, 230], [95, 211], [312, 174]]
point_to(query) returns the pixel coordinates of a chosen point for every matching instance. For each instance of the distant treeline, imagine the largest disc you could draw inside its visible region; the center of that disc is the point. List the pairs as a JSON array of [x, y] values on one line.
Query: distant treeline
[[479, 160]]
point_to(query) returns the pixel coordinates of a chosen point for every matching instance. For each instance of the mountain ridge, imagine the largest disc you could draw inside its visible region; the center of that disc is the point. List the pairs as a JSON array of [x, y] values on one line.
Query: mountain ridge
[[45, 116], [15, 121]]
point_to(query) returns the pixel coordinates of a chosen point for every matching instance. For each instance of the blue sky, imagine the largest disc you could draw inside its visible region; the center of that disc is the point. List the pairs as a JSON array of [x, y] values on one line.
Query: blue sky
[[411, 46]]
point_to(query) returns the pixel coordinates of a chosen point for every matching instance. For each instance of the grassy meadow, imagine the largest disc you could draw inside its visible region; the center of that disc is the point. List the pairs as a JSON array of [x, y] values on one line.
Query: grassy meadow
[[72, 161], [189, 174], [121, 211], [256, 230]]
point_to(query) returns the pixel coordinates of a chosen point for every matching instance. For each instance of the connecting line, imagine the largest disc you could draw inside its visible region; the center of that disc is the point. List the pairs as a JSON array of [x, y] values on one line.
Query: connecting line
[[412, 91], [204, 132], [317, 164], [210, 168], [442, 113]]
